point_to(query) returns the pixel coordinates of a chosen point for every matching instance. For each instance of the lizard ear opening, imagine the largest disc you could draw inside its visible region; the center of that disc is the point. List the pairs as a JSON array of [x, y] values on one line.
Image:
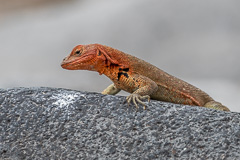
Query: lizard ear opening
[[99, 53]]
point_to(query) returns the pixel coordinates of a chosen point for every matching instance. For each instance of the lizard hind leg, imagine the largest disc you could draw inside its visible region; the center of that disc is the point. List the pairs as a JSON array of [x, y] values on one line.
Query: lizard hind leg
[[216, 105], [136, 98]]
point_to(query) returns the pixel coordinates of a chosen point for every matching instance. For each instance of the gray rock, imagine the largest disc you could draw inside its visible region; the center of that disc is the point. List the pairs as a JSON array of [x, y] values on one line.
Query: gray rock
[[49, 123]]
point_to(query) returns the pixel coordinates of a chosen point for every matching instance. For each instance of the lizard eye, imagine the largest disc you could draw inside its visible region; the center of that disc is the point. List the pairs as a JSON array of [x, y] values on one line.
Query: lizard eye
[[77, 52]]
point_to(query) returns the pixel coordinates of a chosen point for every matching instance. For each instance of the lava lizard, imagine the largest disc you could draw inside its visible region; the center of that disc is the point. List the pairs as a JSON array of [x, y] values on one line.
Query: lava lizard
[[142, 79]]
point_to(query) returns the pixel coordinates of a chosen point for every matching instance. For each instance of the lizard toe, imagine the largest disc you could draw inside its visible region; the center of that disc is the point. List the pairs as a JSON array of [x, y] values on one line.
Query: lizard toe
[[132, 98], [145, 97], [136, 98]]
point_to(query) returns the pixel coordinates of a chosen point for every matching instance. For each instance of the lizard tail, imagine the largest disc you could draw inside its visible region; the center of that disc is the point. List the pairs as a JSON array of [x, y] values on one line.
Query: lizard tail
[[216, 105]]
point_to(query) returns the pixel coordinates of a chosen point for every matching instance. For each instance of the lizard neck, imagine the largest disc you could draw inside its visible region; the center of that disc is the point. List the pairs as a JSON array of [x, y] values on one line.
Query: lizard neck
[[111, 72]]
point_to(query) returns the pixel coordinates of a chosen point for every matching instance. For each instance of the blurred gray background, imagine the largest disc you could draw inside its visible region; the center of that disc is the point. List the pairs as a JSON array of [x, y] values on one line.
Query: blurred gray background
[[197, 41]]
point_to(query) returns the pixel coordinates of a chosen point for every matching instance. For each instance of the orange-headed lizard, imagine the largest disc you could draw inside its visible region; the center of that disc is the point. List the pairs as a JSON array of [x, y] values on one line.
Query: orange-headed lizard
[[141, 79]]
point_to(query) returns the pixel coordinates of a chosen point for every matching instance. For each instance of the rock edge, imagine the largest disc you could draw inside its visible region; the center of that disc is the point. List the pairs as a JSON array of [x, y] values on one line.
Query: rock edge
[[50, 123]]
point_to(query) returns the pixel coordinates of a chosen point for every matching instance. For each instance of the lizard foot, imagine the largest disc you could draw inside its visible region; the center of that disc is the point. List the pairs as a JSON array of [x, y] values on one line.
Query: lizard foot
[[216, 105], [136, 98]]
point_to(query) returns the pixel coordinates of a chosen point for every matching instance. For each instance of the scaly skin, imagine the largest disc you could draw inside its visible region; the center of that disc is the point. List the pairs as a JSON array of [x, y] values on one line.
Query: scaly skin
[[140, 78]]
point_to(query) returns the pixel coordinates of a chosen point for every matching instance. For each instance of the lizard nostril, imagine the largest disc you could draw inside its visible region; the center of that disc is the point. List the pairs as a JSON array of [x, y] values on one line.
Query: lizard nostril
[[63, 62]]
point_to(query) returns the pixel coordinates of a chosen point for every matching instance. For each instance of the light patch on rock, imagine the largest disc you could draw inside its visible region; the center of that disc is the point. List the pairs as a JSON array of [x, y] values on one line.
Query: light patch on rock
[[64, 102]]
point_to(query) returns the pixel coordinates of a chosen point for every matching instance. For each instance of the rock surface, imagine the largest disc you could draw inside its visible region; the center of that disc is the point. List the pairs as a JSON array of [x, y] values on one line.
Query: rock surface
[[49, 123]]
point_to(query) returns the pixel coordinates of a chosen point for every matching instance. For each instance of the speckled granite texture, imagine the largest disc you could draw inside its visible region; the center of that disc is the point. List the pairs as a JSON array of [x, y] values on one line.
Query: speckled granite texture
[[49, 123]]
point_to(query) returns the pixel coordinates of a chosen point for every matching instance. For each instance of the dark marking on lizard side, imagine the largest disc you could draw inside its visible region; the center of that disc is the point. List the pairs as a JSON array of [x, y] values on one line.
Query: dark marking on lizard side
[[121, 73], [124, 69]]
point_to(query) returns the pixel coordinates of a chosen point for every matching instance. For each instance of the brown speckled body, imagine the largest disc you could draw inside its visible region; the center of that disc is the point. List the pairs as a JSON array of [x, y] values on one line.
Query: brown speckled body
[[135, 76]]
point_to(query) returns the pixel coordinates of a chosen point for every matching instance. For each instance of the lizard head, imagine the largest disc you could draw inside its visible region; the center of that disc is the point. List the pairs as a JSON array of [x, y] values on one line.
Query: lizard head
[[82, 57], [91, 57]]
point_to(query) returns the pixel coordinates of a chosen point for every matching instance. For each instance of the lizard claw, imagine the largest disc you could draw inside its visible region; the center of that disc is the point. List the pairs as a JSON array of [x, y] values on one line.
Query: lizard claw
[[136, 98]]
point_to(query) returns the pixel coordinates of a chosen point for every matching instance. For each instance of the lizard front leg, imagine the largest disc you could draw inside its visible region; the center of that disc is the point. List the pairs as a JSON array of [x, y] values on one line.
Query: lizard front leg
[[112, 90], [141, 88]]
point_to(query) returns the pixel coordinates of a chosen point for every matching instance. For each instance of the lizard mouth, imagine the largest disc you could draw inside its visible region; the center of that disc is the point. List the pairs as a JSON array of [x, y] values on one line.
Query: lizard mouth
[[65, 63]]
